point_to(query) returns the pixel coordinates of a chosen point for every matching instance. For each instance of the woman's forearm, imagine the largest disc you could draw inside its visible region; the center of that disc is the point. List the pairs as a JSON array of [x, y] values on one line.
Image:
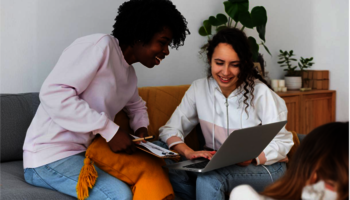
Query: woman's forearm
[[182, 149]]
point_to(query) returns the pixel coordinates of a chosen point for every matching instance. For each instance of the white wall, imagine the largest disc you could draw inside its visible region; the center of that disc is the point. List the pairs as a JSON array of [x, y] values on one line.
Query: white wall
[[35, 32]]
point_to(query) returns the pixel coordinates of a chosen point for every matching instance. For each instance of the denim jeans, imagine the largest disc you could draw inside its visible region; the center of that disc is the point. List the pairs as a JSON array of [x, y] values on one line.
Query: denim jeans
[[62, 176], [218, 183]]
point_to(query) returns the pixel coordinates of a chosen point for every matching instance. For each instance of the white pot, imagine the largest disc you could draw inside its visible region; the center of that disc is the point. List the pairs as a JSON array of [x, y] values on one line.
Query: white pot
[[293, 82]]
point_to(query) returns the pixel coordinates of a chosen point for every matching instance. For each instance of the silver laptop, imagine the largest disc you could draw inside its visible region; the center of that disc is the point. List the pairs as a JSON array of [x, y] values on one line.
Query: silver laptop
[[241, 145]]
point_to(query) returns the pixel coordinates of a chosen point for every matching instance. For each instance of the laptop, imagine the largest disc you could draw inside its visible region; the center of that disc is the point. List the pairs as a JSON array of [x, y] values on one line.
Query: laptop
[[241, 145]]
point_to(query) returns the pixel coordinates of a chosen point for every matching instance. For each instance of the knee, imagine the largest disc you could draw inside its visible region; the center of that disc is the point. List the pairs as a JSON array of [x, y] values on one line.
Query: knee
[[208, 181], [111, 189], [103, 194], [122, 193], [127, 196]]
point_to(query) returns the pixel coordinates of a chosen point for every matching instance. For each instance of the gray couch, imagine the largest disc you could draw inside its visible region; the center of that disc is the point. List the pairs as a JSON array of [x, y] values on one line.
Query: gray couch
[[17, 111]]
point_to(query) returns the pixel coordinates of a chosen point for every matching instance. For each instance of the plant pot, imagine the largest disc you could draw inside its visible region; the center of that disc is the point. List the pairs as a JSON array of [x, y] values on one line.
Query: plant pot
[[293, 82]]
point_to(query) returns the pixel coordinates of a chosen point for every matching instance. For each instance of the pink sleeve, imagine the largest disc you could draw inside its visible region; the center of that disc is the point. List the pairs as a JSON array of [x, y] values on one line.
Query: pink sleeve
[[60, 92], [137, 112]]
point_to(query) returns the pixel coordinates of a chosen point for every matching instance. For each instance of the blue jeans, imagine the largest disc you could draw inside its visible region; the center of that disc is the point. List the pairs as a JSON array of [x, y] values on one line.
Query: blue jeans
[[62, 176], [218, 183]]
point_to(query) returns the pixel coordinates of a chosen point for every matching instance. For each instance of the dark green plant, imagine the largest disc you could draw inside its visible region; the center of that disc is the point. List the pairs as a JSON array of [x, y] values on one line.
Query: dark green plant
[[285, 59], [238, 12], [305, 63]]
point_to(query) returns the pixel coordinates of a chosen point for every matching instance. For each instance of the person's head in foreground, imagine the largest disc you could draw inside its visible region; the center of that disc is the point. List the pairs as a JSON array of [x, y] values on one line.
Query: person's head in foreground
[[145, 29], [318, 170], [230, 63]]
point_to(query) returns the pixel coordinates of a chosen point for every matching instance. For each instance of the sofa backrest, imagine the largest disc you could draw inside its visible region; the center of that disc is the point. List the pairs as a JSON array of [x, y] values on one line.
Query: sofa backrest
[[161, 102], [17, 111]]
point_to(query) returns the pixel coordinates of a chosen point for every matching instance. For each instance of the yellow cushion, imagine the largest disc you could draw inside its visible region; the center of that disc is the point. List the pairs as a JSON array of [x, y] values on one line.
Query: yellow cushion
[[142, 171]]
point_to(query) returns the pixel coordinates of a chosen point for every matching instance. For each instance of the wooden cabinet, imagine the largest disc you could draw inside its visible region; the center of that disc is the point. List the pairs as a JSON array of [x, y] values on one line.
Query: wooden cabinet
[[308, 110]]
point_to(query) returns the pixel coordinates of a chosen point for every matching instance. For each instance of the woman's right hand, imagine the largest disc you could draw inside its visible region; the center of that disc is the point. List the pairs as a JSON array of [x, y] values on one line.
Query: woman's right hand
[[190, 155], [122, 142]]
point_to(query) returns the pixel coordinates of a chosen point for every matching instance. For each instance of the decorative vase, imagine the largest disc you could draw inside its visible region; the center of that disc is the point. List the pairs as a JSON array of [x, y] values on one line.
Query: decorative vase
[[293, 82]]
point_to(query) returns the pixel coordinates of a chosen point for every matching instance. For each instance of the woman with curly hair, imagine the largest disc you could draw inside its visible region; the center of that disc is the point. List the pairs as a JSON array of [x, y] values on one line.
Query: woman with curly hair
[[319, 170], [233, 96], [92, 81]]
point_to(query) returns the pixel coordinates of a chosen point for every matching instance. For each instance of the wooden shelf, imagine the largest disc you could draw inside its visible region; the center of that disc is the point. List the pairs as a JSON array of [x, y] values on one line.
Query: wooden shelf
[[308, 110]]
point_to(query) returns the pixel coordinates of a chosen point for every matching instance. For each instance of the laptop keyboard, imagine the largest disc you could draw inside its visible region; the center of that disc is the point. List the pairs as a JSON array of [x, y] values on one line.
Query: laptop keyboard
[[200, 165]]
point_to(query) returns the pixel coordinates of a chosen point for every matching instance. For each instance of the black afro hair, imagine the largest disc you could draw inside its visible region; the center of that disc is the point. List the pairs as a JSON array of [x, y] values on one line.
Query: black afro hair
[[141, 19]]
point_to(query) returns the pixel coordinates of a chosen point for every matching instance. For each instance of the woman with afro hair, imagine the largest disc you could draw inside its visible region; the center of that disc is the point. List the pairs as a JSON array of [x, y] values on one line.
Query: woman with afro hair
[[92, 81]]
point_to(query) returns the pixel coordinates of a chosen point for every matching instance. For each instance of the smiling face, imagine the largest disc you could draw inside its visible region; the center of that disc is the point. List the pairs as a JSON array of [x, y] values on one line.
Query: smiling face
[[154, 52], [225, 67]]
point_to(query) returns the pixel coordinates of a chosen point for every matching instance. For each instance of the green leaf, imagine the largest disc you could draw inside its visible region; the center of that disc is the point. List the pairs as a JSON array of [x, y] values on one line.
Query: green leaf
[[207, 26], [221, 18], [213, 21], [261, 30], [202, 31], [220, 28], [267, 49], [281, 51], [280, 62], [254, 48], [293, 59], [205, 30], [246, 19], [233, 9], [238, 1], [259, 15], [260, 19]]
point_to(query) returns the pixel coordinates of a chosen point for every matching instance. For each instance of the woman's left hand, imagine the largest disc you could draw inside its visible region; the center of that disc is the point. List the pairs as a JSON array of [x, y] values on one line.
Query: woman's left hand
[[141, 132], [245, 163]]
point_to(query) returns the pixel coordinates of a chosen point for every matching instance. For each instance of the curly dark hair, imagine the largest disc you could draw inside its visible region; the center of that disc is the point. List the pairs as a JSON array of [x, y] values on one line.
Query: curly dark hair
[[325, 151], [239, 42], [141, 19]]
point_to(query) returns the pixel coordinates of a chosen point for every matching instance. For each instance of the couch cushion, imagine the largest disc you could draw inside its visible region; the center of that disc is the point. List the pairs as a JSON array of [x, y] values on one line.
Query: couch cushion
[[13, 185], [17, 111], [161, 102]]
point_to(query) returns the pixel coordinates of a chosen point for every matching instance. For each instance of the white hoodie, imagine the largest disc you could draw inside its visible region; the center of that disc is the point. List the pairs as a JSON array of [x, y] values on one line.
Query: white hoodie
[[218, 116], [317, 191]]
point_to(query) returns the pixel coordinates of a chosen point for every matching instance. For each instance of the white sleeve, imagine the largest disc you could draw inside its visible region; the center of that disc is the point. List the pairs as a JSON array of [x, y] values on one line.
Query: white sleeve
[[270, 109], [59, 95], [182, 121], [245, 192]]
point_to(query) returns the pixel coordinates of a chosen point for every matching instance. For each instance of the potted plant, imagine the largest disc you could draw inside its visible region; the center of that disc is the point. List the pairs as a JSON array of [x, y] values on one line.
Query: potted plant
[[293, 77], [238, 12]]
